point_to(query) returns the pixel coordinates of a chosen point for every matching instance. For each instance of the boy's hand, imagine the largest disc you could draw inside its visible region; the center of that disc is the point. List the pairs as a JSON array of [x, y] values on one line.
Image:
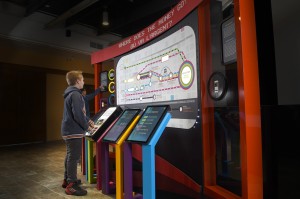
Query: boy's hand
[[102, 88], [91, 123]]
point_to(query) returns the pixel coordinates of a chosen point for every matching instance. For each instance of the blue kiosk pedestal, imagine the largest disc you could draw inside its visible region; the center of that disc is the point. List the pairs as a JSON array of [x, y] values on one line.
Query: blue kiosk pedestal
[[148, 162]]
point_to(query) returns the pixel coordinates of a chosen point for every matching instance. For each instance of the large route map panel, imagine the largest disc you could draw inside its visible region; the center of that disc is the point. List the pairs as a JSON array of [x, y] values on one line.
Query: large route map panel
[[164, 71]]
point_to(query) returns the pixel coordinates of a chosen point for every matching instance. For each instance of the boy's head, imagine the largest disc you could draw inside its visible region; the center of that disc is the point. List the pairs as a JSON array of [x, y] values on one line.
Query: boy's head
[[74, 77]]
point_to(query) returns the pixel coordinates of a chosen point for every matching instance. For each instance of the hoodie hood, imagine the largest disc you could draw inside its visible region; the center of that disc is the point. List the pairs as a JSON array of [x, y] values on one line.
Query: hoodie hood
[[71, 89]]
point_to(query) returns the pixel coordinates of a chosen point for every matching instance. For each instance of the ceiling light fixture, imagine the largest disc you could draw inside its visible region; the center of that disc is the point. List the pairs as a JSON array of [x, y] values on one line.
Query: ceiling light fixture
[[105, 18]]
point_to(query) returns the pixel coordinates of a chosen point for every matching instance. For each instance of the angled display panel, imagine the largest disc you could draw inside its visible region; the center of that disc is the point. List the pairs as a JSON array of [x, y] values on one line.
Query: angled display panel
[[164, 72], [148, 123], [121, 125], [103, 122]]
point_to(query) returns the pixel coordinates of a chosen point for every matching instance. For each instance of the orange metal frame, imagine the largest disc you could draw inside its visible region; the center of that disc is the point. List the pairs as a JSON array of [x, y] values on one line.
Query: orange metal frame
[[249, 100], [249, 103], [97, 70]]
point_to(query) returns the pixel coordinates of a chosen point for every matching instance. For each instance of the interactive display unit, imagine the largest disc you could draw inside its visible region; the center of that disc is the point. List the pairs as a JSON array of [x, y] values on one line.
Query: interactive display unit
[[104, 79], [121, 125], [229, 54], [103, 122], [148, 123]]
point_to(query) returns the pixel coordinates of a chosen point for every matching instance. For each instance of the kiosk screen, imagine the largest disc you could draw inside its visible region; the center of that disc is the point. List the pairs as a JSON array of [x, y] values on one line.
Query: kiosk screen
[[121, 125], [103, 122], [148, 123], [97, 115]]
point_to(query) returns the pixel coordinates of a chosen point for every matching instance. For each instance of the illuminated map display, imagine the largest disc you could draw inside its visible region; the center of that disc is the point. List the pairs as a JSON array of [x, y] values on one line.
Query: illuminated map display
[[163, 71], [148, 124], [121, 125]]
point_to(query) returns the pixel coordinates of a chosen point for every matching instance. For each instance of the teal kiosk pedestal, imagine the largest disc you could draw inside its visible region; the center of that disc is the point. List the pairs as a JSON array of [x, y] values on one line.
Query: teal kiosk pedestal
[[148, 153], [146, 133]]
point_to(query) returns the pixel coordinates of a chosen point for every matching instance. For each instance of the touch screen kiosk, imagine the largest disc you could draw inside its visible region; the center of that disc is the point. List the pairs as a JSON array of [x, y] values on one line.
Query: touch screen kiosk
[[100, 126], [116, 135], [147, 133], [103, 122]]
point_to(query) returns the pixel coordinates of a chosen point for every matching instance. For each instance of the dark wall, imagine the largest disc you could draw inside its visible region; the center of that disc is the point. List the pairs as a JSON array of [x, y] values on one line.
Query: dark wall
[[280, 125], [280, 116], [286, 26], [23, 101]]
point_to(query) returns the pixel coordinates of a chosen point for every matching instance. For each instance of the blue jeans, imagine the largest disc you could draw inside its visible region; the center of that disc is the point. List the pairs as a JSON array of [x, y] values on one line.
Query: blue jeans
[[72, 157]]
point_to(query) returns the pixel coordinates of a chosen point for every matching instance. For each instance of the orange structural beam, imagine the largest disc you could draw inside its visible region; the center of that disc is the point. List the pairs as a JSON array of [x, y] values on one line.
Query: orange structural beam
[[249, 100], [97, 84], [207, 108], [249, 103]]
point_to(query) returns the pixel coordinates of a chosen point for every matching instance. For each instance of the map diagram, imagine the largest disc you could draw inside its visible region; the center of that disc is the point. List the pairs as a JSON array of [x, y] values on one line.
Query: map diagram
[[163, 71]]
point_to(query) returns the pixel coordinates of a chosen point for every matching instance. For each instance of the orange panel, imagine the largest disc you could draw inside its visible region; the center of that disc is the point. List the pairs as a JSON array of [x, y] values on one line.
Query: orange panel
[[207, 104], [249, 104], [249, 101], [97, 69], [210, 188]]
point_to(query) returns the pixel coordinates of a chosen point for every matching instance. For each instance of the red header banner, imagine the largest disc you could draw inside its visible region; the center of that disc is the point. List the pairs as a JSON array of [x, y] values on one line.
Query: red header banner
[[164, 23]]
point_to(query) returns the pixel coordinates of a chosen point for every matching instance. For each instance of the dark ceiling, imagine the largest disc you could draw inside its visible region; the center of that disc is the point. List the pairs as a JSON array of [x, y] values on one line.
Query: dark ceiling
[[126, 17]]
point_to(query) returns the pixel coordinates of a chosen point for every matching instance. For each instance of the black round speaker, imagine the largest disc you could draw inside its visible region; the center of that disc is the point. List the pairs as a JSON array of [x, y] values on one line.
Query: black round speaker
[[217, 86]]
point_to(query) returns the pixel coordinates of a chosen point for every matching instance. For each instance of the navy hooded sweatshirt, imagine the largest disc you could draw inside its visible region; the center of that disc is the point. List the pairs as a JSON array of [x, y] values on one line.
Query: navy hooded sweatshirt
[[74, 122]]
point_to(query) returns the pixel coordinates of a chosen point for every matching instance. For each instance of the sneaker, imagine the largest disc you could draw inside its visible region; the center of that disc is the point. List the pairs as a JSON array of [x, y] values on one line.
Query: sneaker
[[74, 189], [65, 183]]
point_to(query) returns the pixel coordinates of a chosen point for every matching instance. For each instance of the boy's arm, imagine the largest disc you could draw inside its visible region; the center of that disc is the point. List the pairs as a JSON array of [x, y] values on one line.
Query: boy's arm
[[96, 92]]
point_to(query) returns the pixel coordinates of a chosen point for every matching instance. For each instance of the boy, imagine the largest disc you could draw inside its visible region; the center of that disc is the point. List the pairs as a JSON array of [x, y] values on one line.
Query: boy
[[74, 124]]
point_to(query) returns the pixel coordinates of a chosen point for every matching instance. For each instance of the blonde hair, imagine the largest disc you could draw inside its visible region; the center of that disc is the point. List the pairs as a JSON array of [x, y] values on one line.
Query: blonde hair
[[73, 76]]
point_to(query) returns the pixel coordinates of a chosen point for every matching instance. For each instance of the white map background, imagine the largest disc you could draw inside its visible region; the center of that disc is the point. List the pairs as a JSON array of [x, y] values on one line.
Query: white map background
[[163, 71]]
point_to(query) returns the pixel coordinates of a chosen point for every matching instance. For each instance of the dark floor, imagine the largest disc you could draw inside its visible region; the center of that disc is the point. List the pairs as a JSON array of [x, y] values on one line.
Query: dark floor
[[36, 171]]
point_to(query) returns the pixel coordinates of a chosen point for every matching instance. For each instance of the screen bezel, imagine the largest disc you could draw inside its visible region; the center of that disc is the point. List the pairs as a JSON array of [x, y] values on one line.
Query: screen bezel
[[95, 120], [126, 127], [167, 108]]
